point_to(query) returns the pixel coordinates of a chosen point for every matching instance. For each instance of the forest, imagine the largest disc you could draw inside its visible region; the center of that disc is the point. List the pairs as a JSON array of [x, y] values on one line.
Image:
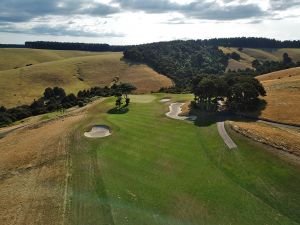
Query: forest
[[179, 60]]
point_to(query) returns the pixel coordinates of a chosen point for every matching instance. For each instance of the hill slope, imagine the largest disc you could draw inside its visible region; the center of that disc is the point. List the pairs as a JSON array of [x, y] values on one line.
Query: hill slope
[[22, 85], [283, 95], [250, 54], [11, 58]]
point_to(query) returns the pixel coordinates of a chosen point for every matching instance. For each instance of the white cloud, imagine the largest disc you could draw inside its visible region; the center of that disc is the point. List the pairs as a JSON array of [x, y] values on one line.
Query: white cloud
[[141, 21]]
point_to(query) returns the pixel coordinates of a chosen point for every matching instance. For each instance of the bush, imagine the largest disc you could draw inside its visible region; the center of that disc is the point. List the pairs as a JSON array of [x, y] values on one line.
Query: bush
[[81, 104]]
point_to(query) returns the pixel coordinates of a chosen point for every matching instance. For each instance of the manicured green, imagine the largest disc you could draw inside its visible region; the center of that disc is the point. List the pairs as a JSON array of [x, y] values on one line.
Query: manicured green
[[156, 170]]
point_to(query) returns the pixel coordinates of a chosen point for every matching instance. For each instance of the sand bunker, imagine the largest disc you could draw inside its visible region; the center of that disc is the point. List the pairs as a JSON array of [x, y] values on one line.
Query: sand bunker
[[165, 100], [175, 110], [98, 131]]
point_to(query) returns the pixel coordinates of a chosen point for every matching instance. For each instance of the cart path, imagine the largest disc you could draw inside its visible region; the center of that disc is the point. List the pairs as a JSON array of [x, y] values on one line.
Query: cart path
[[223, 133]]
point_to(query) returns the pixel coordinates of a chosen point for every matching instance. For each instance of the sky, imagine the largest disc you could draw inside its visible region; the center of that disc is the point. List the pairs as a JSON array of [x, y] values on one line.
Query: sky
[[123, 22]]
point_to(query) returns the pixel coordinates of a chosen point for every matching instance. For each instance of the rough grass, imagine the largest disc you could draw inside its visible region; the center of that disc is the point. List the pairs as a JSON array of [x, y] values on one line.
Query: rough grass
[[156, 170], [33, 170], [250, 54], [234, 65], [11, 58], [282, 138], [22, 85], [283, 94]]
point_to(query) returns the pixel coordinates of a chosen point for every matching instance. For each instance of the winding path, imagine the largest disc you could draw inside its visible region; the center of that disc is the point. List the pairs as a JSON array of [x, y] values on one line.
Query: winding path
[[175, 110], [223, 133]]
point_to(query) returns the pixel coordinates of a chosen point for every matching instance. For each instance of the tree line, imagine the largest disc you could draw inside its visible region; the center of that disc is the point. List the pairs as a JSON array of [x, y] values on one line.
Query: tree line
[[74, 46], [235, 93], [55, 99], [252, 42]]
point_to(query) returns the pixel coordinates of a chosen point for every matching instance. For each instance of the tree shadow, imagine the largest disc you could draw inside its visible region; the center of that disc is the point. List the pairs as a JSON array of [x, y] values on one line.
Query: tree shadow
[[205, 119], [116, 110]]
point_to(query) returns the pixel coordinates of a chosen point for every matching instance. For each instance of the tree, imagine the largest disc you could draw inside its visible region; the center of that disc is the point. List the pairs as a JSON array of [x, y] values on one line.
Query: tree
[[48, 93], [2, 109], [127, 101], [235, 56], [255, 63], [126, 89], [59, 93], [119, 102], [286, 60]]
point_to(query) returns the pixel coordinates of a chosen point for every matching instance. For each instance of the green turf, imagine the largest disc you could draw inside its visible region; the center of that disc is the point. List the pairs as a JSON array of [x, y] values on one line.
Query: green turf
[[156, 170]]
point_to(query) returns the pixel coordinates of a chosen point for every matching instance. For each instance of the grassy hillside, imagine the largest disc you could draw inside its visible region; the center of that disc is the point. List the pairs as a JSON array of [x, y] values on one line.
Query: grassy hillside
[[11, 58], [22, 85], [283, 95], [250, 54], [156, 170]]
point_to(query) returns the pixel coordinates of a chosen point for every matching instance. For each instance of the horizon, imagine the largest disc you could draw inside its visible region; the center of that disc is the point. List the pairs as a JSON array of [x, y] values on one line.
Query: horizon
[[136, 22], [144, 43]]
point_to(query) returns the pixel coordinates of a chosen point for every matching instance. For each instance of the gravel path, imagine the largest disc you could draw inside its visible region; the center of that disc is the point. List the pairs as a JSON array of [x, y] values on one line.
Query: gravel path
[[223, 133]]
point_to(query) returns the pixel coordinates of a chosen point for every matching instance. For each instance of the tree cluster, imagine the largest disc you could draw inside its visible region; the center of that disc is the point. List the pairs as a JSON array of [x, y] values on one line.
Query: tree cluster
[[124, 89], [55, 99], [263, 67], [179, 60], [74, 46], [235, 93], [234, 56]]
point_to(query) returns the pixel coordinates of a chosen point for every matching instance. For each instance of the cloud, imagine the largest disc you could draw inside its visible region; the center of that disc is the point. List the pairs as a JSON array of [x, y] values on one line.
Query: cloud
[[58, 30], [21, 10], [207, 10], [281, 5]]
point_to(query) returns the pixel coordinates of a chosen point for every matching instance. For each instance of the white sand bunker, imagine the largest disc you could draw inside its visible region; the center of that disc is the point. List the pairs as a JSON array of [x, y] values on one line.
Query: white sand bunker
[[98, 131], [165, 100], [175, 110]]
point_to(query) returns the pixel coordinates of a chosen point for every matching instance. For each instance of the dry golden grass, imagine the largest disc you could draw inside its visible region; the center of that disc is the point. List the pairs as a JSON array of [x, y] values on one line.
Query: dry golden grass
[[244, 63], [261, 54], [283, 95], [33, 169], [250, 54], [11, 58], [21, 86], [294, 53], [234, 65], [282, 138]]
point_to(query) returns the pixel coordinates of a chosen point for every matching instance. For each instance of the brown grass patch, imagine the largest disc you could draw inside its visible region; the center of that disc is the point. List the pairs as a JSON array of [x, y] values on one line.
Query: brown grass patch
[[33, 168], [234, 65], [284, 139], [283, 95]]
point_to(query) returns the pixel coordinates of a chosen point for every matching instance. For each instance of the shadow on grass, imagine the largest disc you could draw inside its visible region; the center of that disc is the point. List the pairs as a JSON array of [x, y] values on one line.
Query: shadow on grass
[[205, 119], [116, 110]]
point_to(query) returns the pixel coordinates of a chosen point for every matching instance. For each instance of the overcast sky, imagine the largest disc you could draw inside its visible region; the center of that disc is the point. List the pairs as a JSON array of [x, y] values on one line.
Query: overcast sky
[[142, 21]]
